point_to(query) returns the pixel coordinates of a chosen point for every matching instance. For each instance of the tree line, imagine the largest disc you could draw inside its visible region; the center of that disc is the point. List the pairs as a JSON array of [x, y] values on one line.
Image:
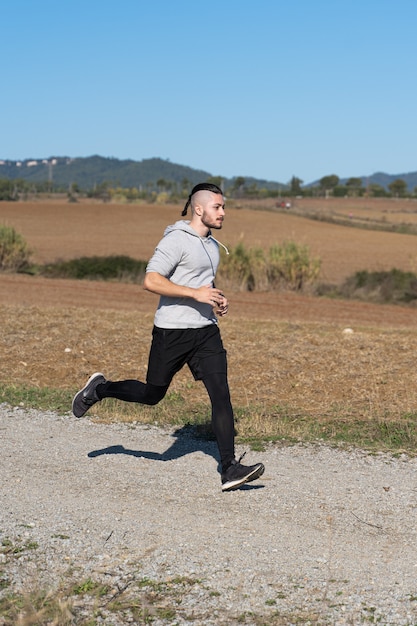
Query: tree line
[[163, 190], [331, 185]]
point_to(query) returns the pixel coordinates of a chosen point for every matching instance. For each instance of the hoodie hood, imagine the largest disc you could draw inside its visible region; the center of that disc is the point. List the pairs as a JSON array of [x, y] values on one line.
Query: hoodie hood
[[184, 225], [181, 225]]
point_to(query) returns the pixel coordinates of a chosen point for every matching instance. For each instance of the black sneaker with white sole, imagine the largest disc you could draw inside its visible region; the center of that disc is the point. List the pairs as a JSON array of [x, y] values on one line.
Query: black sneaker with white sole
[[238, 474], [87, 396]]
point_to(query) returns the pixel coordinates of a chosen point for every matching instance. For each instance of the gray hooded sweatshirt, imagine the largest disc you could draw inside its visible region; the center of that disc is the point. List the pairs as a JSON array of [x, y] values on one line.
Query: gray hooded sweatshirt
[[186, 259]]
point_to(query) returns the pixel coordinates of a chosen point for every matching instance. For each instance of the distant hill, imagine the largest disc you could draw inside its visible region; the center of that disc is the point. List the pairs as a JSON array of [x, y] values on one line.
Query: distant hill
[[380, 178], [87, 172]]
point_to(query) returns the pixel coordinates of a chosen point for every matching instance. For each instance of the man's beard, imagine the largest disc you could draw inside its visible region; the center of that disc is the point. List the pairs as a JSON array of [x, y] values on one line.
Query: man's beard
[[216, 224]]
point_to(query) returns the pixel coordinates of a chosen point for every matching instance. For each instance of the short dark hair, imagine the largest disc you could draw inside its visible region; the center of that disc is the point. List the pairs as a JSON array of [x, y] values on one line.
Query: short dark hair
[[201, 187]]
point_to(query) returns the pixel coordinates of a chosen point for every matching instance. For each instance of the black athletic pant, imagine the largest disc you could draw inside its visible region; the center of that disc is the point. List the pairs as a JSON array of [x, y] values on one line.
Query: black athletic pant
[[217, 389]]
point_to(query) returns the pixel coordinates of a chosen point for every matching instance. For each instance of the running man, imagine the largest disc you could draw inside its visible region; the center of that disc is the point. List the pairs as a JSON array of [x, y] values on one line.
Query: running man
[[182, 272]]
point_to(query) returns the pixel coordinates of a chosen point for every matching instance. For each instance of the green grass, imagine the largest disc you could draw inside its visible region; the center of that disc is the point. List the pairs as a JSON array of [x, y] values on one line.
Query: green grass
[[374, 434], [256, 426], [42, 398]]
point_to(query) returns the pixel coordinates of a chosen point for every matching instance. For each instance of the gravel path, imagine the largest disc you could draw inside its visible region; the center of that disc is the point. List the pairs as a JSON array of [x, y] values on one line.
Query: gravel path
[[324, 537]]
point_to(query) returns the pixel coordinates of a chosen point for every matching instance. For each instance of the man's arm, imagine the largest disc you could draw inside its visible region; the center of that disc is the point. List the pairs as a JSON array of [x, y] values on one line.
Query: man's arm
[[156, 283]]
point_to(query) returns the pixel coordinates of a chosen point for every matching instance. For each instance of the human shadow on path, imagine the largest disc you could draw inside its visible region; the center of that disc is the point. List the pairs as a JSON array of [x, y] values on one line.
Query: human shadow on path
[[185, 443]]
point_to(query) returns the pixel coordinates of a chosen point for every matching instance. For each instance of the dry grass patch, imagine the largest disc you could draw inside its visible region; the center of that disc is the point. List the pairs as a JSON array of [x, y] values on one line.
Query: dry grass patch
[[294, 374], [291, 381]]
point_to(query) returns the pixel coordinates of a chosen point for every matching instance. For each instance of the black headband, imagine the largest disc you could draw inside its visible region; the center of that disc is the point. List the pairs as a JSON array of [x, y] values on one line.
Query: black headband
[[201, 187]]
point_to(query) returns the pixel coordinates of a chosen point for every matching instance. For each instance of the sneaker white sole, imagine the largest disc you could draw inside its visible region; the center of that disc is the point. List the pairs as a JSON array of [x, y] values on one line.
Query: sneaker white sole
[[235, 484]]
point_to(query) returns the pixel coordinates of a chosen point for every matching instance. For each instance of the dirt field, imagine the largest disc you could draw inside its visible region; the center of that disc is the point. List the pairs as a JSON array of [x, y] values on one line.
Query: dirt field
[[62, 230], [284, 348], [59, 230]]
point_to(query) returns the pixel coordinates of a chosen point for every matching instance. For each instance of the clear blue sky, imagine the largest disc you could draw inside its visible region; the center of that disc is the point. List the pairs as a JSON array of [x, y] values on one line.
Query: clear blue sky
[[263, 88]]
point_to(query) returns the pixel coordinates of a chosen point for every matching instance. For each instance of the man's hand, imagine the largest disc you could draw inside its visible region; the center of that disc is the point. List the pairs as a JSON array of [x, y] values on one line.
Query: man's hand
[[213, 296], [222, 308]]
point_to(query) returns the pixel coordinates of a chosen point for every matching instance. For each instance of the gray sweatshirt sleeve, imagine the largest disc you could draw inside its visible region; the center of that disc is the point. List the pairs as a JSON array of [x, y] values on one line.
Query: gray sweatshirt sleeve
[[167, 256]]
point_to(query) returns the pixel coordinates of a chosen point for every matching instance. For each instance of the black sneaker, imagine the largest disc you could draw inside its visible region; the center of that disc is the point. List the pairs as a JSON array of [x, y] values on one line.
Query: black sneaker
[[238, 474], [85, 398]]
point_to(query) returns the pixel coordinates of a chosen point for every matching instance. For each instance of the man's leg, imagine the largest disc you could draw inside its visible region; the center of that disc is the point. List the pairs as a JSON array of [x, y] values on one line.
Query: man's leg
[[221, 416], [234, 474], [132, 391], [98, 387]]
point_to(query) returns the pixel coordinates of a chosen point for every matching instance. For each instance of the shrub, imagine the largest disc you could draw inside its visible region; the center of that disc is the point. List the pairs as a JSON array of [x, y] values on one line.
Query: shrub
[[288, 266], [292, 265], [14, 252], [384, 286], [122, 268], [7, 189], [237, 270]]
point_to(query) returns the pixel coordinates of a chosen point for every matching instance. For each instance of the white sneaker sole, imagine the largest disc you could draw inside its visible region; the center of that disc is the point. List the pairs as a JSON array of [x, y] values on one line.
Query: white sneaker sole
[[235, 484]]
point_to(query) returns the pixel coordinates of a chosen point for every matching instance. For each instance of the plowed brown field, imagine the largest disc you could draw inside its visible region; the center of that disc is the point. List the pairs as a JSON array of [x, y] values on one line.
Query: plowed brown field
[[62, 230], [59, 230], [282, 346]]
